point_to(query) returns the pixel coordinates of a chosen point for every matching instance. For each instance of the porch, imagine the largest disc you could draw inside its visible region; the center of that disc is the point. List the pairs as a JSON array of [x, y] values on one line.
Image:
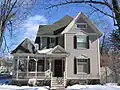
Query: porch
[[49, 65], [45, 68]]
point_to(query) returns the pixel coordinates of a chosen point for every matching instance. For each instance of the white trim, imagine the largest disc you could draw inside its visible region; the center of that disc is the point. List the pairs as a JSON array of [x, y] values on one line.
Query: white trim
[[50, 35], [98, 57], [45, 64], [17, 67], [28, 58], [82, 57], [40, 55], [84, 77], [82, 31], [36, 69]]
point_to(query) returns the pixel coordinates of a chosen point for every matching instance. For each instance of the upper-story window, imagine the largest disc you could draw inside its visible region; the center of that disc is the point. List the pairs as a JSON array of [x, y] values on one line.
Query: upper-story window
[[81, 25], [81, 41], [52, 40]]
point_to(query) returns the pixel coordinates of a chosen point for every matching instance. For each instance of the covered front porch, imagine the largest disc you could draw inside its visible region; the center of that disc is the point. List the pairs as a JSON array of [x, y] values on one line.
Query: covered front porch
[[46, 64]]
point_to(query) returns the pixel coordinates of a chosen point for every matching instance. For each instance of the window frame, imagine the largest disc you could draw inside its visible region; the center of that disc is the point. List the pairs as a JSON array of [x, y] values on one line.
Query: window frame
[[86, 65], [81, 24], [85, 43]]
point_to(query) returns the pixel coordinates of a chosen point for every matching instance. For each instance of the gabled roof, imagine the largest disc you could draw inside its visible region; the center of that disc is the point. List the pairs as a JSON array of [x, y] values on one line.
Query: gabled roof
[[25, 47], [56, 50], [49, 29], [81, 15]]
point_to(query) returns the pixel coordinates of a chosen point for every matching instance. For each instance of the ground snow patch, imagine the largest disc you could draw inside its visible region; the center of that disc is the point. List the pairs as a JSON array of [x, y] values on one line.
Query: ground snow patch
[[12, 87], [93, 87]]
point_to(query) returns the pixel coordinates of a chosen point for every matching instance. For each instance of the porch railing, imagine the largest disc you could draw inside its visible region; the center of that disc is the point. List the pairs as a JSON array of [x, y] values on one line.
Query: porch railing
[[25, 75]]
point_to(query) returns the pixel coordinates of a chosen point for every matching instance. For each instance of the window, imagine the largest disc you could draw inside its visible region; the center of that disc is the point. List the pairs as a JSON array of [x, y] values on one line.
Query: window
[[40, 65], [52, 40], [81, 42], [23, 65], [82, 66], [81, 25], [32, 65]]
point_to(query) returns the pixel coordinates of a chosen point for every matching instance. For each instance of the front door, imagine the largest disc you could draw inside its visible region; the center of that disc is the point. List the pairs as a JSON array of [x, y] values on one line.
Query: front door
[[58, 70]]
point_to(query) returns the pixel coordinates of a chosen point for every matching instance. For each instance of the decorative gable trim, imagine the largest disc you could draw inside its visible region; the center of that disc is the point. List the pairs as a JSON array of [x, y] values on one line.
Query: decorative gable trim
[[58, 49]]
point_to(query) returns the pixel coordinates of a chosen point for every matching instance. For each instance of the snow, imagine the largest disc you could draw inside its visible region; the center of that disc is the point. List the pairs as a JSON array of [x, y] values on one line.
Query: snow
[[44, 51], [12, 87], [94, 87], [109, 86]]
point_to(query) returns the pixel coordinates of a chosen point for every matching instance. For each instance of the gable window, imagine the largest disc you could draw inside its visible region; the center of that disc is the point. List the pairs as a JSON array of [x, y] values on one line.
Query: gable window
[[81, 25], [82, 66], [81, 42]]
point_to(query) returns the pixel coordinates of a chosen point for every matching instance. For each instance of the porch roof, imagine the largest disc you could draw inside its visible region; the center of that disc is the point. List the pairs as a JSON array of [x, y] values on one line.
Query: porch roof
[[57, 51], [52, 51]]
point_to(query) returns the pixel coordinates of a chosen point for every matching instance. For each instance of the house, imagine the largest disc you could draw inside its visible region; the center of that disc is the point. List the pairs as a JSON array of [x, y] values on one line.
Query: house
[[65, 52]]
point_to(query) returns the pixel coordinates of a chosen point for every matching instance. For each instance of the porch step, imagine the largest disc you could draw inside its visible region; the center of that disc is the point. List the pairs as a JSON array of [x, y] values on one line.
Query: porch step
[[57, 82], [57, 88]]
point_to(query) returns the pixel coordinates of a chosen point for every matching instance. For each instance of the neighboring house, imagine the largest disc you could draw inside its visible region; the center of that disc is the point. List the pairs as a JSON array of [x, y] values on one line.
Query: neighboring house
[[65, 52], [5, 65]]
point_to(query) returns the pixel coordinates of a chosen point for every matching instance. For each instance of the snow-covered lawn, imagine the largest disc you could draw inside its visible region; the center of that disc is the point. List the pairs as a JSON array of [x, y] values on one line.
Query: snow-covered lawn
[[12, 87], [109, 86], [74, 87]]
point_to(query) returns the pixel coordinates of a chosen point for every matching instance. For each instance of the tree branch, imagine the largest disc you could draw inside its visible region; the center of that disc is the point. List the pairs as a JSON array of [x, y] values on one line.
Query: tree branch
[[82, 1], [101, 11]]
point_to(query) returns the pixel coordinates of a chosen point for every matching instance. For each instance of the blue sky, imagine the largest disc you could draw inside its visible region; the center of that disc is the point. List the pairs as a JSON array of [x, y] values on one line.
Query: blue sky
[[29, 27]]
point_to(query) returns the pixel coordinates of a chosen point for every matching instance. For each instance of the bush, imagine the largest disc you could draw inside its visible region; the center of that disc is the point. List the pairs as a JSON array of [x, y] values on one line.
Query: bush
[[94, 81], [118, 83]]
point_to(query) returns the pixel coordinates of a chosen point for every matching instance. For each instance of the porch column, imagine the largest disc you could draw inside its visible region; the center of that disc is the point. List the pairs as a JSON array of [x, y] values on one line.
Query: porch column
[[17, 67], [45, 64], [28, 58], [36, 69], [50, 60]]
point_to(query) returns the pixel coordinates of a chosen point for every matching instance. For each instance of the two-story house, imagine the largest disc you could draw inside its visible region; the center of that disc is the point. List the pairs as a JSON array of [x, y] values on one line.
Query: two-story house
[[65, 52]]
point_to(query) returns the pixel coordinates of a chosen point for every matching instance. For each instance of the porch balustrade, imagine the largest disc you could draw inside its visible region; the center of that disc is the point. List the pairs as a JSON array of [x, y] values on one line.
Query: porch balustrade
[[25, 75]]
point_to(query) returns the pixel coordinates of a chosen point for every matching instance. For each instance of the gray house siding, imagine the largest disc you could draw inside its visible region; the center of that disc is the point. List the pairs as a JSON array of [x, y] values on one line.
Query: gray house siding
[[92, 52]]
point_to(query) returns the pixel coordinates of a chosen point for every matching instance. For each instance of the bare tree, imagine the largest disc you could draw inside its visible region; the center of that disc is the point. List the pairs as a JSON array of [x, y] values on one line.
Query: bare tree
[[112, 5], [11, 13], [114, 64]]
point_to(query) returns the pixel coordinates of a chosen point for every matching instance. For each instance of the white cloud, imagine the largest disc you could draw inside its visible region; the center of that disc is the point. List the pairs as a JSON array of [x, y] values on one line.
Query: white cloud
[[31, 26]]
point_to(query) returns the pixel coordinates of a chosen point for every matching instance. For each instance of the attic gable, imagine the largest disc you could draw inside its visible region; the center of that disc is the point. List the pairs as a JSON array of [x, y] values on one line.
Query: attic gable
[[81, 18]]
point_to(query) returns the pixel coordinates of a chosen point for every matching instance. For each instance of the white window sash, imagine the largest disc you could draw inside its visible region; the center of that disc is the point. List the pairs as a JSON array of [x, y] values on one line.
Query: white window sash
[[83, 63]]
